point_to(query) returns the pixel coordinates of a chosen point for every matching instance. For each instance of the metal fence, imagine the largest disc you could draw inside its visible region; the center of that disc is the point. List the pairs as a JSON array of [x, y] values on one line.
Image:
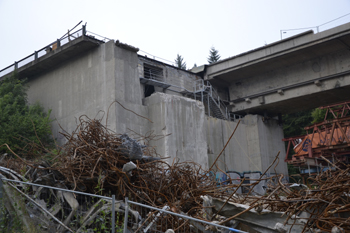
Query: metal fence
[[71, 210], [84, 212], [163, 220]]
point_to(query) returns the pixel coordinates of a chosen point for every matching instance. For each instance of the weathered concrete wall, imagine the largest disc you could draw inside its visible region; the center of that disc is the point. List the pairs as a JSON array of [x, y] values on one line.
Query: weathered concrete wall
[[195, 137], [268, 134], [129, 92], [233, 158], [183, 120], [179, 78], [253, 147], [81, 86], [90, 83]]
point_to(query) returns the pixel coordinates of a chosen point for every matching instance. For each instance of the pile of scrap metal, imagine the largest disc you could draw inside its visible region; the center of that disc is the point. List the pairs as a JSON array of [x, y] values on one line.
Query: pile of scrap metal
[[323, 206], [96, 160]]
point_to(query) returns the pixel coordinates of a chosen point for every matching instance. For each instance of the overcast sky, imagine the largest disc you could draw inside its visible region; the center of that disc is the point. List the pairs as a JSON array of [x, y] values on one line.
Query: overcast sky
[[164, 28]]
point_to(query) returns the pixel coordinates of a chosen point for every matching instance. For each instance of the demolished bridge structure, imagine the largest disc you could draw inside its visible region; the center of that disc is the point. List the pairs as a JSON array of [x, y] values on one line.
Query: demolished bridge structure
[[85, 74]]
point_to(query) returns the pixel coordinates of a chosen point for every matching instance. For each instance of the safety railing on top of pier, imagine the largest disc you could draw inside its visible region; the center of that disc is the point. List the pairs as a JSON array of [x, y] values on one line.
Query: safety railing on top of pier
[[69, 36]]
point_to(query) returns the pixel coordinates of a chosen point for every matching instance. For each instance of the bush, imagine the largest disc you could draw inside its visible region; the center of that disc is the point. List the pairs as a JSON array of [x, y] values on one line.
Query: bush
[[20, 123]]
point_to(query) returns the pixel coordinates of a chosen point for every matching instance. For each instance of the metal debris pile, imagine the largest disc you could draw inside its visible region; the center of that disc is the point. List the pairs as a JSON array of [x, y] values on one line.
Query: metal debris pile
[[96, 160], [321, 206], [96, 157], [325, 204]]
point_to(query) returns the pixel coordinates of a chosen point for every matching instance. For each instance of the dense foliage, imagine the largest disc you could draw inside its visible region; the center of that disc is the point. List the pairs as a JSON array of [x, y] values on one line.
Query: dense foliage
[[318, 115], [293, 124], [21, 123]]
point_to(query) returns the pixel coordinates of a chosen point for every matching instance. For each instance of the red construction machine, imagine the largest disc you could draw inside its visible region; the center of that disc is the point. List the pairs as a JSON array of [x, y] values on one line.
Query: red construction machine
[[325, 142]]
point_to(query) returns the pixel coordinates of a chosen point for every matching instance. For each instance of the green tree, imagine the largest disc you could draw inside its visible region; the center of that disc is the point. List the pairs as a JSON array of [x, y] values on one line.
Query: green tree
[[213, 55], [21, 123], [179, 62], [318, 115], [294, 123]]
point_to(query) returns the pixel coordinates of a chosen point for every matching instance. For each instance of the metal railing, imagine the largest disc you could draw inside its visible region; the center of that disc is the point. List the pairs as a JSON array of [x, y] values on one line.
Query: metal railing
[[157, 221], [154, 74], [180, 82], [60, 213], [136, 216], [198, 85], [233, 116], [70, 36], [218, 101], [144, 53], [206, 89]]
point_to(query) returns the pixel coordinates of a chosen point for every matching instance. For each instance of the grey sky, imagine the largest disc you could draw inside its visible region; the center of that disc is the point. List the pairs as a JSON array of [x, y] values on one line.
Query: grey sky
[[164, 28]]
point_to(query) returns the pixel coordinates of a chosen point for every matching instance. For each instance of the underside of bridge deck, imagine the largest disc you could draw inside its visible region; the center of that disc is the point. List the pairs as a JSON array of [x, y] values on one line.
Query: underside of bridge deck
[[294, 74]]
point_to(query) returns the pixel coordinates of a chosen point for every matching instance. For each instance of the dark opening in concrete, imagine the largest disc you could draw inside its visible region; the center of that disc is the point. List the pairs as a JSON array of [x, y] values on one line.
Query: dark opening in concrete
[[149, 90]]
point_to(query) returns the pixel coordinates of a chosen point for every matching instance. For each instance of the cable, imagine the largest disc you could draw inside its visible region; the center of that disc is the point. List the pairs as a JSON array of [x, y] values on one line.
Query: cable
[[334, 20], [296, 29], [105, 38], [157, 57], [315, 26]]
